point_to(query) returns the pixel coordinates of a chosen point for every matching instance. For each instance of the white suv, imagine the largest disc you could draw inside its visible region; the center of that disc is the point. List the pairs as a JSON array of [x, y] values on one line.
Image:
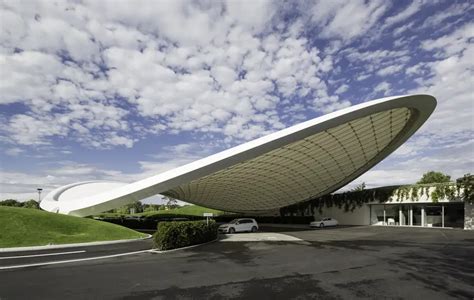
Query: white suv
[[239, 225]]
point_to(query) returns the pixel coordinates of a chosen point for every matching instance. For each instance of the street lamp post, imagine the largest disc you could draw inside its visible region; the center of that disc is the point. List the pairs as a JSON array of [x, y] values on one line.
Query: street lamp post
[[39, 194]]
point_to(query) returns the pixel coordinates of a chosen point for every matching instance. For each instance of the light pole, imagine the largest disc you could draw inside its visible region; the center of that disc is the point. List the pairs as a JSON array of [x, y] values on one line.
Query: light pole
[[39, 194]]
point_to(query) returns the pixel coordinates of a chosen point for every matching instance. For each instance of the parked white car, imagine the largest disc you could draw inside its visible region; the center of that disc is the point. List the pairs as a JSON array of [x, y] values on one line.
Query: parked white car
[[324, 223], [239, 225]]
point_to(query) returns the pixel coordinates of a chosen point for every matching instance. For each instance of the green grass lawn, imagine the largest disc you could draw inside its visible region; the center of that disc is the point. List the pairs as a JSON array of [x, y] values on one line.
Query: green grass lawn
[[31, 227]]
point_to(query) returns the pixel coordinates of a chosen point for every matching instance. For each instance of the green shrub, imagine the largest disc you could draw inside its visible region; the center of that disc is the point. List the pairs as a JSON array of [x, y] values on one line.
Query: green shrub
[[171, 235]]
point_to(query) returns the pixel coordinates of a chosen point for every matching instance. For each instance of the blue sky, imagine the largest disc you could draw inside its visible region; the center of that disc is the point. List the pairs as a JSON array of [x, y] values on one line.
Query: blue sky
[[122, 90]]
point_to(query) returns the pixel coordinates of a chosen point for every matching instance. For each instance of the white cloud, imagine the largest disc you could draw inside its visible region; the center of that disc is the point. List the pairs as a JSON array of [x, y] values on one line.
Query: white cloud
[[26, 130], [347, 19], [327, 104], [389, 70], [412, 160], [22, 186], [14, 151], [413, 70], [30, 75], [172, 66], [383, 87], [450, 81], [402, 29], [413, 146], [455, 10], [362, 77], [342, 89], [445, 142], [253, 15], [451, 43], [410, 10], [376, 56], [454, 161]]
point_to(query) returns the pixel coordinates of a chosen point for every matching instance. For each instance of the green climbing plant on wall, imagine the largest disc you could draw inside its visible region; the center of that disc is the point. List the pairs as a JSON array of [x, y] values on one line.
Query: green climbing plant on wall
[[349, 201]]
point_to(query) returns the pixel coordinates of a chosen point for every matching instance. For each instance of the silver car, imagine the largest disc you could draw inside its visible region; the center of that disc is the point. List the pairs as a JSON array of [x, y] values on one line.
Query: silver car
[[325, 222], [239, 225]]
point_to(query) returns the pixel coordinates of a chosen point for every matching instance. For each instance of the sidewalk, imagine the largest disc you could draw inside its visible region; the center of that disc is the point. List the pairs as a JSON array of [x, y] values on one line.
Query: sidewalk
[[295, 226]]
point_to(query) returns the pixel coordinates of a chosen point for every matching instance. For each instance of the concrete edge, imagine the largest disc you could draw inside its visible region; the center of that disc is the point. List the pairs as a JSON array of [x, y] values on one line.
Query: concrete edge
[[61, 246], [182, 248]]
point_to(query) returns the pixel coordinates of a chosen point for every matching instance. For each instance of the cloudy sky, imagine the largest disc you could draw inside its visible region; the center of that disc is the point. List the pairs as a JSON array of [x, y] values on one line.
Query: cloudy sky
[[122, 90]]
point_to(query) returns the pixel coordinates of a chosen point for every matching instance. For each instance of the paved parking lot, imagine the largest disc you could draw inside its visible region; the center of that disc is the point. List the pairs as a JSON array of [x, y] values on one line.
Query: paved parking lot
[[341, 263]]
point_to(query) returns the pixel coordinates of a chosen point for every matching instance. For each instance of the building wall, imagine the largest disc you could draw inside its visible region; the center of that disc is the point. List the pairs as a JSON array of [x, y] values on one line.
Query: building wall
[[360, 215], [468, 215]]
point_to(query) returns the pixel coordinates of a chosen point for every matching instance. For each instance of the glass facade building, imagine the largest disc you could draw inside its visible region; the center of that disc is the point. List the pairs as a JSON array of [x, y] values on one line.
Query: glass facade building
[[418, 214]]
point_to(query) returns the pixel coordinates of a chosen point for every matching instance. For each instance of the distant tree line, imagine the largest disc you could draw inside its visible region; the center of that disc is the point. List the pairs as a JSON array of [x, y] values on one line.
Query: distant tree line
[[14, 203], [138, 207]]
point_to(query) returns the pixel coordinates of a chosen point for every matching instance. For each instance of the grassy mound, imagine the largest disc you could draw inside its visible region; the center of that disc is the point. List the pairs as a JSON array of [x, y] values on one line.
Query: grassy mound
[[30, 227]]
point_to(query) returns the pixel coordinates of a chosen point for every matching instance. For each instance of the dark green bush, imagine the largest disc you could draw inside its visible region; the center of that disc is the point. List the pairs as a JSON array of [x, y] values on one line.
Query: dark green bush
[[171, 235]]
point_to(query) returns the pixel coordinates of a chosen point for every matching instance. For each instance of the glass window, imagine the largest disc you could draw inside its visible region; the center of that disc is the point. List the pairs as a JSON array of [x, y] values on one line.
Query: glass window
[[454, 215], [416, 215], [376, 214], [433, 216], [392, 215]]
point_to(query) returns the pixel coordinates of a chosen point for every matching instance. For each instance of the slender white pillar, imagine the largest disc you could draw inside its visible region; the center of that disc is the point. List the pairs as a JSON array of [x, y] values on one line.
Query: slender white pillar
[[384, 220], [400, 216], [410, 216], [442, 215], [422, 216]]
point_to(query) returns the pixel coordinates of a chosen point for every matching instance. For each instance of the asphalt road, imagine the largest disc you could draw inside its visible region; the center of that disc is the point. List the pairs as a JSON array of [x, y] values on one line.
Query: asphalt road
[[342, 263], [71, 253]]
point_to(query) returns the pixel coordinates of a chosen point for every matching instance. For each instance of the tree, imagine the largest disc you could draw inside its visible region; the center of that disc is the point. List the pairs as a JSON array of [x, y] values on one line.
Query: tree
[[359, 188], [170, 202], [434, 177], [151, 207], [135, 207], [31, 204], [467, 183], [10, 202]]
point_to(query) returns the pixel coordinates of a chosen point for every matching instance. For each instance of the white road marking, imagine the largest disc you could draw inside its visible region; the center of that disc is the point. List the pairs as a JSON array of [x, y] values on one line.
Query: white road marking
[[71, 260], [259, 237], [44, 254]]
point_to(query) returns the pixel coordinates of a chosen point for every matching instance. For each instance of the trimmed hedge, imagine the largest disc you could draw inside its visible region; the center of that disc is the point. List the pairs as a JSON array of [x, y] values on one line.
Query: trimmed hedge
[[171, 235]]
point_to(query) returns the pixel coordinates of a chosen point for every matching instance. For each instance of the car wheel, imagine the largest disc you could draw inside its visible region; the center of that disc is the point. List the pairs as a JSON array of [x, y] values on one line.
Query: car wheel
[[321, 225], [254, 229], [231, 230]]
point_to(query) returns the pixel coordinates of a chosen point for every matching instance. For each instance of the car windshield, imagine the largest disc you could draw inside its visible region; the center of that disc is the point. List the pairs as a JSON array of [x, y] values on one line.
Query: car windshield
[[234, 221]]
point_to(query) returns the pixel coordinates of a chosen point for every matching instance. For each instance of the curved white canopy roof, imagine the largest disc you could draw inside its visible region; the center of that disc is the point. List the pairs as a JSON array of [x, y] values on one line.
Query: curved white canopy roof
[[298, 163]]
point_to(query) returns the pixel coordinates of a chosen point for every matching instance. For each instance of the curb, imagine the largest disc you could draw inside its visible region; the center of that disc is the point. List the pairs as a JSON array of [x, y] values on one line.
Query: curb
[[61, 246]]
